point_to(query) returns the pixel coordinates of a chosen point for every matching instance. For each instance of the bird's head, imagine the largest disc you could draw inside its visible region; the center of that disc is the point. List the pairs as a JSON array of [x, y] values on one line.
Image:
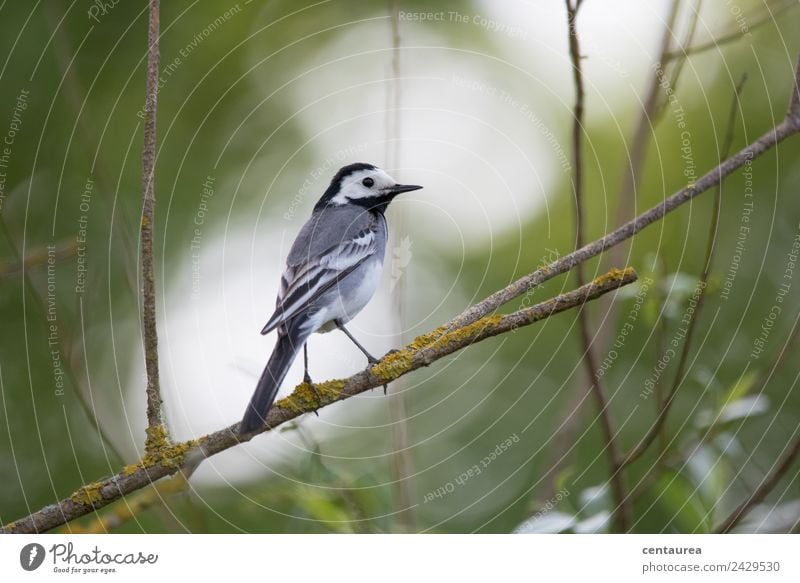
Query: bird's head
[[363, 185]]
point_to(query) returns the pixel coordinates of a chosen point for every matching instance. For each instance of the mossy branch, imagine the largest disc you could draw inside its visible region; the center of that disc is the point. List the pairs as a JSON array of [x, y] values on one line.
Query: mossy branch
[[167, 459], [130, 507]]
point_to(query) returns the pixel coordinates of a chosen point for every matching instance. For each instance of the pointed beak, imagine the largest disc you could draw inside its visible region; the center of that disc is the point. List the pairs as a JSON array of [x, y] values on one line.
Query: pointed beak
[[401, 188]]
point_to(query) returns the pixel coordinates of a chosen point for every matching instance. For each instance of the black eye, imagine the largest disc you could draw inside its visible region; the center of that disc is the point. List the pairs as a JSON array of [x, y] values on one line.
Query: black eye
[[368, 182]]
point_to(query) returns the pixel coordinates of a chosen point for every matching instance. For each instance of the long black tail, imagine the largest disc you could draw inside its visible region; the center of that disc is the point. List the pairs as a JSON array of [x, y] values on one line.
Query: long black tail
[[283, 355]]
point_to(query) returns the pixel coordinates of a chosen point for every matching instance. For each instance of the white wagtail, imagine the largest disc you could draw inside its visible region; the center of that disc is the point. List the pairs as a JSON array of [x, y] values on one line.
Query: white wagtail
[[332, 271]]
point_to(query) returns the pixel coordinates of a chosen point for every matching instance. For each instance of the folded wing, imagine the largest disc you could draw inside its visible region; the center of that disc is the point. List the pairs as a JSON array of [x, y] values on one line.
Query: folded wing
[[305, 281]]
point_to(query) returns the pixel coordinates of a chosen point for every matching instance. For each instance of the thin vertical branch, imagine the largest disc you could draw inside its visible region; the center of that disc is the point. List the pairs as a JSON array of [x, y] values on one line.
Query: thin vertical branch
[[596, 387], [725, 38], [653, 109], [155, 424], [641, 135], [676, 71], [402, 466], [665, 405]]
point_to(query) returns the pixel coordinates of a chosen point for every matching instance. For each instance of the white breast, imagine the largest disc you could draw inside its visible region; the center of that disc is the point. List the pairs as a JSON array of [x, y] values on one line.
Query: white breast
[[353, 294]]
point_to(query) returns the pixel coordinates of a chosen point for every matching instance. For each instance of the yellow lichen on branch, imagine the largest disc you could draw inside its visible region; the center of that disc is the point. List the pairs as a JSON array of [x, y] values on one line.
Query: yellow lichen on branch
[[304, 399], [131, 506], [89, 494], [171, 456], [614, 275]]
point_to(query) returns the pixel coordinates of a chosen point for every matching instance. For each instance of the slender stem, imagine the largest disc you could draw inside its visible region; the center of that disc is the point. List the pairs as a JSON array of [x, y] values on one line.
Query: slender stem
[[154, 413], [767, 485], [402, 466], [731, 36], [589, 359], [659, 424], [676, 71], [424, 351], [64, 345], [36, 257], [641, 135], [633, 168]]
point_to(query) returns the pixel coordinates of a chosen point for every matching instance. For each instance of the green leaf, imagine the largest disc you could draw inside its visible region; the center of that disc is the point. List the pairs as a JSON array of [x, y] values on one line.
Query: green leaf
[[734, 411], [681, 501], [550, 523], [710, 471], [321, 506], [595, 499], [740, 388]]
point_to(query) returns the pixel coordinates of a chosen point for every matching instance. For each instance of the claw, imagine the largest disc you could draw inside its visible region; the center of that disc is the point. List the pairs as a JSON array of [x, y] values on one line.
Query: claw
[[310, 383]]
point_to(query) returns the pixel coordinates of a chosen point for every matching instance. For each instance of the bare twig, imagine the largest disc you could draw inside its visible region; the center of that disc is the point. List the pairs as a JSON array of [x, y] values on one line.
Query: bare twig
[[402, 466], [37, 257], [729, 37], [666, 404], [633, 168], [156, 431], [676, 71], [785, 129], [632, 171], [596, 387], [33, 259], [769, 482], [422, 352], [767, 485]]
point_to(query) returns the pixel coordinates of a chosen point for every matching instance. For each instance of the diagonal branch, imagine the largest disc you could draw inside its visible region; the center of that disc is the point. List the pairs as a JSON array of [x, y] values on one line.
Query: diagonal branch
[[156, 432], [186, 456], [785, 129]]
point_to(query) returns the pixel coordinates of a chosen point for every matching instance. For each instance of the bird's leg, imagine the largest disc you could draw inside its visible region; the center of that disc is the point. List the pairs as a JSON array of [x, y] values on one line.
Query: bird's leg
[[371, 359], [307, 377]]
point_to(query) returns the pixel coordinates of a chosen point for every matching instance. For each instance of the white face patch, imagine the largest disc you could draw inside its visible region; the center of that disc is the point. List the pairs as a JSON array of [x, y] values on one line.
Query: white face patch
[[353, 187]]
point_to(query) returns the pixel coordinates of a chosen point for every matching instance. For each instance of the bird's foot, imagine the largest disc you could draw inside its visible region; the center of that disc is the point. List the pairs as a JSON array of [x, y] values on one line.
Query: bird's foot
[[391, 351], [373, 361], [307, 380]]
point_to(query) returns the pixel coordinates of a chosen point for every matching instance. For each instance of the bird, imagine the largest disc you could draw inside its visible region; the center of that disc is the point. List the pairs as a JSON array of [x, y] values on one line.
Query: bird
[[332, 271]]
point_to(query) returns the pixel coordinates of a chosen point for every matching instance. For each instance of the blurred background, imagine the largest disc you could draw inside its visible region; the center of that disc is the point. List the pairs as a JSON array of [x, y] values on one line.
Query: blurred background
[[260, 102]]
